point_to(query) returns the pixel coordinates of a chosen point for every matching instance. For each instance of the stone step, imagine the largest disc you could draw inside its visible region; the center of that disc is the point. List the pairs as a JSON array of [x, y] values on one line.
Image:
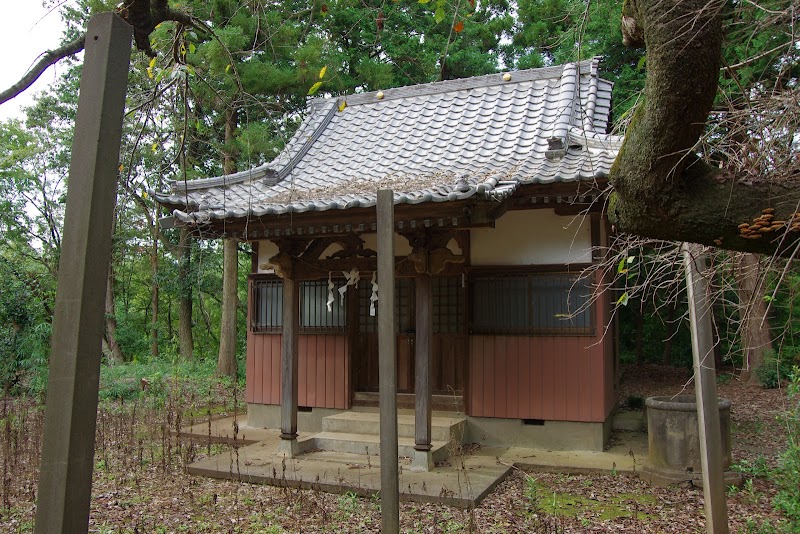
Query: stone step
[[442, 428], [369, 444]]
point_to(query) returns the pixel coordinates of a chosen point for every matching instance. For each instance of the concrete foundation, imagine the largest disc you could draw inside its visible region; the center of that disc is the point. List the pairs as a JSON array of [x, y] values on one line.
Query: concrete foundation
[[487, 431], [269, 416], [551, 435], [292, 448], [462, 483], [422, 461]]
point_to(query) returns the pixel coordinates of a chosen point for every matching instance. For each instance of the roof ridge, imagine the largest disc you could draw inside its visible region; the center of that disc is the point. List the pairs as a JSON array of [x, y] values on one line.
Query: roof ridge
[[587, 66], [266, 170]]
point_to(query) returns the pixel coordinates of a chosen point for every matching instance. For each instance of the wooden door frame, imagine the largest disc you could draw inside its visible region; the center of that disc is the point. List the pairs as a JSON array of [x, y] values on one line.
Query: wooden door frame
[[353, 321]]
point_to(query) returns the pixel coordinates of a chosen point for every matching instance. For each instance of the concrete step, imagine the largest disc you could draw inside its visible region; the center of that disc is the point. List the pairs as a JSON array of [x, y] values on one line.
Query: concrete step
[[442, 428], [630, 421], [369, 444]]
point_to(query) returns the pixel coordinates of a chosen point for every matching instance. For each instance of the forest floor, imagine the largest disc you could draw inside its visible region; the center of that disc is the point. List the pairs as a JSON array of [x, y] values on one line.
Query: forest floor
[[141, 484]]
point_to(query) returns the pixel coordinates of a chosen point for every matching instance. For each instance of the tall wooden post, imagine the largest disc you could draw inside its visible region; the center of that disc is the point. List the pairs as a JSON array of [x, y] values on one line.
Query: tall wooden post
[[65, 478], [705, 380], [289, 366], [423, 459], [387, 365]]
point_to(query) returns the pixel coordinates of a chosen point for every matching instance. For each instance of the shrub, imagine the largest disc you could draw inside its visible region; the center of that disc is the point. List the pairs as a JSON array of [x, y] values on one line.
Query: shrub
[[787, 476], [635, 402], [773, 370]]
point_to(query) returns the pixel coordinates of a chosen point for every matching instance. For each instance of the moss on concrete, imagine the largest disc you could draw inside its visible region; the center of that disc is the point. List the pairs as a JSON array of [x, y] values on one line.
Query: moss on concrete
[[612, 507]]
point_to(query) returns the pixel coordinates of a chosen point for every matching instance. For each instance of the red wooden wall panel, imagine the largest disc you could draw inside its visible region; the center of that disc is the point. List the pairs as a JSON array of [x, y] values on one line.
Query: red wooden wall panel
[[323, 370], [250, 374], [569, 378], [250, 359], [539, 377], [272, 371]]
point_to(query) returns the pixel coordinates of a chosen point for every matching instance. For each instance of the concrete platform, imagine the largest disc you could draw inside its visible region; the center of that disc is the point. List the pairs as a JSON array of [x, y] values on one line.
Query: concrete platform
[[463, 481]]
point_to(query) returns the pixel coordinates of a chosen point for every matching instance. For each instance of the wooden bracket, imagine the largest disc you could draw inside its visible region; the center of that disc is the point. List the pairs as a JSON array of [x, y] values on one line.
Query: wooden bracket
[[429, 253]]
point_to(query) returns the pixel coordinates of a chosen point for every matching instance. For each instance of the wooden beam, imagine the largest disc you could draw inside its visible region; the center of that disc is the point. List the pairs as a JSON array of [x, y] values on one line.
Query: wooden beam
[[387, 365], [289, 358], [254, 257], [423, 362], [65, 477], [705, 379], [319, 269], [459, 214]]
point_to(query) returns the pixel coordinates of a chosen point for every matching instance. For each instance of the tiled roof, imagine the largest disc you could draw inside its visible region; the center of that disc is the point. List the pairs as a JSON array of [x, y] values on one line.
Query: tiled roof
[[435, 142]]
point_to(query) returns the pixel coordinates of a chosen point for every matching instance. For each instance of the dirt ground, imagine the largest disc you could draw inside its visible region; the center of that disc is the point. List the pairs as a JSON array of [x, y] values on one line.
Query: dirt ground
[[141, 486]]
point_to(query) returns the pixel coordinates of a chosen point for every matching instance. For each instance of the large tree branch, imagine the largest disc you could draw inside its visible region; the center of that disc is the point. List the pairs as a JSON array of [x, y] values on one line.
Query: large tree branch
[[661, 188], [143, 15], [51, 57]]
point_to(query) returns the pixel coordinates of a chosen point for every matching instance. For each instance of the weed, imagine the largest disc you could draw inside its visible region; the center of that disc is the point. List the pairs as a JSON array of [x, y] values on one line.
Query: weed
[[756, 468], [763, 527], [749, 490], [347, 505]]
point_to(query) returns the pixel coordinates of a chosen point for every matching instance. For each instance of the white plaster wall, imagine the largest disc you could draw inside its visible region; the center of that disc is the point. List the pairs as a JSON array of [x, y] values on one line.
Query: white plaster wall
[[266, 249], [401, 246], [332, 249], [533, 237]]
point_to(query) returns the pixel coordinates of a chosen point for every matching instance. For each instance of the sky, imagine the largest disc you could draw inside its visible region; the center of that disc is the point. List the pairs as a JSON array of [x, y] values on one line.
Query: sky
[[26, 30]]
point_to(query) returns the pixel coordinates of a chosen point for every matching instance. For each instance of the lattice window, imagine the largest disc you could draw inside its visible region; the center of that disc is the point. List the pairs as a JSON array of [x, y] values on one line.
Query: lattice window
[[267, 311], [534, 303], [403, 307], [448, 305], [314, 314]]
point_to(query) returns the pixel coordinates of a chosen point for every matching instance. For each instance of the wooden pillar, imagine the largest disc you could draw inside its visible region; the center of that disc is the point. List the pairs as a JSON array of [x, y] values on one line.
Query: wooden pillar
[[387, 365], [423, 362], [289, 361], [705, 380], [65, 478]]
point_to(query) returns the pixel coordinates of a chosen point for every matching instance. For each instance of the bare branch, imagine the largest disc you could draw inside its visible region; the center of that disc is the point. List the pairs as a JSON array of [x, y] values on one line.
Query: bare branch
[[143, 15], [51, 57]]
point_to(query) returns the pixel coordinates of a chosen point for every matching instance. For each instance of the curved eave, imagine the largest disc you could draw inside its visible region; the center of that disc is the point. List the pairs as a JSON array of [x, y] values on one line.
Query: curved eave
[[491, 190]]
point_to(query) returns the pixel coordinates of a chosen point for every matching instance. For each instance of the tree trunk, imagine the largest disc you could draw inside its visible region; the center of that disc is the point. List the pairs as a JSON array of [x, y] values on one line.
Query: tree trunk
[[114, 350], [185, 338], [754, 325], [154, 297], [661, 189], [226, 365]]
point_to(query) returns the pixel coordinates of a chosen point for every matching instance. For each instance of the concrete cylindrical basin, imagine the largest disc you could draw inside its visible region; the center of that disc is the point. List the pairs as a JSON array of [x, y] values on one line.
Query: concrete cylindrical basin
[[674, 440]]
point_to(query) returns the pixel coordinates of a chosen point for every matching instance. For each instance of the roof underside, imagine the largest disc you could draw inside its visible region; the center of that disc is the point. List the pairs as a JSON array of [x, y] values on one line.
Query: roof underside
[[480, 137]]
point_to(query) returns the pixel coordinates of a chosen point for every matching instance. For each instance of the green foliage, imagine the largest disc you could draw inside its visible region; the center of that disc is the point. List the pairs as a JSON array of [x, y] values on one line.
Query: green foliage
[[755, 468], [25, 299], [753, 526], [787, 475], [550, 32], [156, 380], [775, 368]]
